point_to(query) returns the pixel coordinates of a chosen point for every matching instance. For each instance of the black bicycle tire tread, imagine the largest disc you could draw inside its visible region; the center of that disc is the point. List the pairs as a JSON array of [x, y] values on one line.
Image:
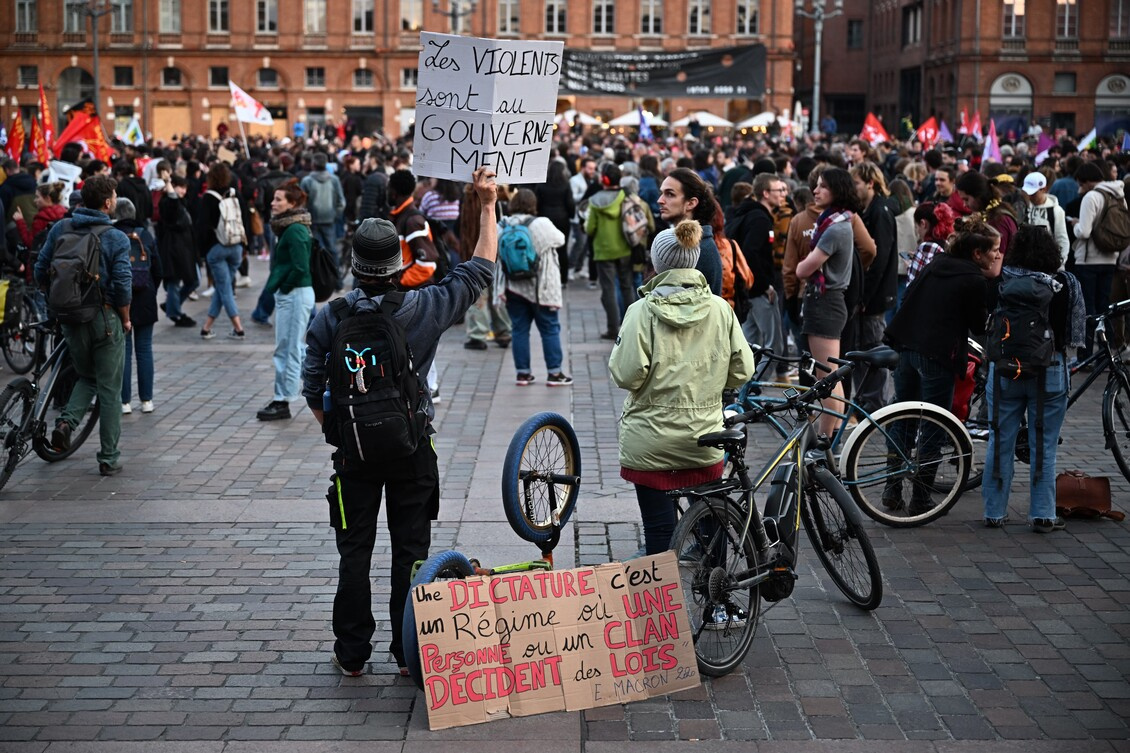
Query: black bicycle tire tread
[[433, 567], [1110, 394], [19, 388], [844, 501], [512, 464]]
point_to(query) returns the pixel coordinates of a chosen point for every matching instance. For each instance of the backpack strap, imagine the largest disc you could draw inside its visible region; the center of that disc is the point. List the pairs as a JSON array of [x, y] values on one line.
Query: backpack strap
[[391, 301]]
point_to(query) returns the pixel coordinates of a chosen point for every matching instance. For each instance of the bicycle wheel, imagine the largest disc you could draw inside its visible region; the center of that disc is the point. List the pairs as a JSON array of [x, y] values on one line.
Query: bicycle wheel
[[1116, 422], [978, 426], [541, 476], [447, 565], [712, 557], [917, 449], [18, 342], [841, 543], [16, 403], [56, 401]]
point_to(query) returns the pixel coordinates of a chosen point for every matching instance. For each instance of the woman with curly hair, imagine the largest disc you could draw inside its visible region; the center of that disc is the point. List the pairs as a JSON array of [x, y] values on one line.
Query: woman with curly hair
[[986, 196], [1034, 256], [933, 224]]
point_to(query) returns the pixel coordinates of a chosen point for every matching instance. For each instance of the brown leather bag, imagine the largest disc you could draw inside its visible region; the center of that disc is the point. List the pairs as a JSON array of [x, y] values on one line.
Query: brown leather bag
[[1078, 495]]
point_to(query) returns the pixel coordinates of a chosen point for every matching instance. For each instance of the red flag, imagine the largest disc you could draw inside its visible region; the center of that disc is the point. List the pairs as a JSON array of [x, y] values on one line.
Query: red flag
[[927, 133], [963, 124], [72, 132], [95, 140], [873, 132], [975, 126], [48, 122], [341, 132], [85, 128], [38, 143], [16, 136]]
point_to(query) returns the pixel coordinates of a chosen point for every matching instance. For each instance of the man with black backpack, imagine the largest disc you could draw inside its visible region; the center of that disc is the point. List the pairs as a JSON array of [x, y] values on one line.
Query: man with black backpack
[[84, 265], [363, 380]]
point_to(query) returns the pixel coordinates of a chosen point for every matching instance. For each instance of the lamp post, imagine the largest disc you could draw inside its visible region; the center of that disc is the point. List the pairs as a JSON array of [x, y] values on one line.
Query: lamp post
[[95, 9], [456, 11], [818, 14]]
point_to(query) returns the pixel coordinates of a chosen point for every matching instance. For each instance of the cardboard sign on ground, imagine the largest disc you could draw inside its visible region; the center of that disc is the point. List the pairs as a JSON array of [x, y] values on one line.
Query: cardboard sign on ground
[[533, 642]]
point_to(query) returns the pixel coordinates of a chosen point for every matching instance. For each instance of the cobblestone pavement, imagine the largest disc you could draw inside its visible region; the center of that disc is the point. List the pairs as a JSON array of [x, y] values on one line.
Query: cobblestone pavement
[[184, 604]]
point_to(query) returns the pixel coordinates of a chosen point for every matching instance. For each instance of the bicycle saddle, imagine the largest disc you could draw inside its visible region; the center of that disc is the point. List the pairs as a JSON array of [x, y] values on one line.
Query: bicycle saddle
[[721, 438], [881, 356]]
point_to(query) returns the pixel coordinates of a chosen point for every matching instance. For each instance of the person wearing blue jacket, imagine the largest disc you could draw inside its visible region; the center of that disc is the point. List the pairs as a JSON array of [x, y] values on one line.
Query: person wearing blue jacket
[[411, 484], [97, 347]]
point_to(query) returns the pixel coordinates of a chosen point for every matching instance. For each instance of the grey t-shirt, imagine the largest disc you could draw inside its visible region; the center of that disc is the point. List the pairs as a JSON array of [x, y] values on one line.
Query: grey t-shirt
[[838, 242]]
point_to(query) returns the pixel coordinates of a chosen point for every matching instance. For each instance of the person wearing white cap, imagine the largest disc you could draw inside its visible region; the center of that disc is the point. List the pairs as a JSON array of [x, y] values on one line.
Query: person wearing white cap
[[678, 348], [1043, 209]]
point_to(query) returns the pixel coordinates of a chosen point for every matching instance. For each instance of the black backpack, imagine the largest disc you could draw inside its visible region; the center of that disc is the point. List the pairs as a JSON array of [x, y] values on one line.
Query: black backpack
[[323, 271], [73, 294], [377, 410]]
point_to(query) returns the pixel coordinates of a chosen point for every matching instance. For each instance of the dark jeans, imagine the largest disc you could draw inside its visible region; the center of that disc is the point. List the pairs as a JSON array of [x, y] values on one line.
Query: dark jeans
[[1095, 280], [616, 274], [657, 511], [920, 378], [354, 503], [869, 383]]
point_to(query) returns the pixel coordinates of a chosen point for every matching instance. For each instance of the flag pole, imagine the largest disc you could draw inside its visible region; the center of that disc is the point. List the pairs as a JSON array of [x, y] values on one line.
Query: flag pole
[[243, 135]]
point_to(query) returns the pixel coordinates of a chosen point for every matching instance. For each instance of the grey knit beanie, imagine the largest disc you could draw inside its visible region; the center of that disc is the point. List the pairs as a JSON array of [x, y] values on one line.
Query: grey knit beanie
[[677, 248]]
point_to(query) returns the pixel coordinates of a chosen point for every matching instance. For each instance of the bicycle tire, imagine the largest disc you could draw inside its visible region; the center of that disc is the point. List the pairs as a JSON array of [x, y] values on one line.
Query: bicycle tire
[[978, 421], [56, 401], [1116, 422], [18, 343], [836, 531], [718, 652], [874, 474], [445, 565], [543, 446], [16, 403]]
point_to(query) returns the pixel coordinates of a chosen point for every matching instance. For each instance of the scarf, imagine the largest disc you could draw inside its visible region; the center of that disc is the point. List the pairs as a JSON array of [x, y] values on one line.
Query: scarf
[[1077, 311], [827, 218], [283, 220]]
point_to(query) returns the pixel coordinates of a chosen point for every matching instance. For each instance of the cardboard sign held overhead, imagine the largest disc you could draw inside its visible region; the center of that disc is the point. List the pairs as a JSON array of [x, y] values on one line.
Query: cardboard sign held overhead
[[560, 640], [485, 102]]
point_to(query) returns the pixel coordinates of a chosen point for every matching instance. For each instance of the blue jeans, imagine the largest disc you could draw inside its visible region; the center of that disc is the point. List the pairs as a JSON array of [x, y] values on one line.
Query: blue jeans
[[1013, 399], [657, 512], [616, 291], [264, 307], [142, 339], [1095, 281], [522, 312], [224, 261], [292, 314], [176, 292]]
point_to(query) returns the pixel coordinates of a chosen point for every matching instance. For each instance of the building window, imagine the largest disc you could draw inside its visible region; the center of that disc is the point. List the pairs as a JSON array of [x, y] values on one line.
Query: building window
[[363, 79], [1064, 83], [651, 17], [362, 16], [912, 26], [74, 18], [1120, 19], [698, 17], [555, 16], [411, 15], [121, 17], [123, 75], [315, 16], [409, 77], [855, 34], [508, 16], [749, 13], [1013, 18], [1066, 19], [168, 21], [316, 77], [27, 21], [170, 78], [27, 75], [218, 76], [268, 78], [218, 21], [267, 16], [603, 17]]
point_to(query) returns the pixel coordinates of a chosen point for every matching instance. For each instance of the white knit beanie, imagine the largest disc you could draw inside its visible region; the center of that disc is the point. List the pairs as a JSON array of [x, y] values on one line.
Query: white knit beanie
[[677, 248]]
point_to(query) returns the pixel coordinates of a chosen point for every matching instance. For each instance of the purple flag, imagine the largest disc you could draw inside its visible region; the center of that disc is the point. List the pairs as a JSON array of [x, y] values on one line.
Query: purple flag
[[1045, 143], [1126, 141], [992, 145], [944, 133], [645, 129]]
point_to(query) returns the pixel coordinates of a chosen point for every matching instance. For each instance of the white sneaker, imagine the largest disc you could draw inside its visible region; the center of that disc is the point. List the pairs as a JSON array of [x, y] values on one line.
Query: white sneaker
[[243, 282], [126, 408], [194, 296], [146, 406], [207, 293]]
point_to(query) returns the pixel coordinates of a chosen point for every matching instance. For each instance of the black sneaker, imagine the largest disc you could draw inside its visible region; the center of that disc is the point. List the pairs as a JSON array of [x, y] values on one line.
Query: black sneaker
[[185, 321], [61, 437], [560, 379], [237, 334], [726, 616], [275, 411], [522, 380], [1047, 525], [109, 470], [996, 522], [502, 342], [207, 334], [474, 344]]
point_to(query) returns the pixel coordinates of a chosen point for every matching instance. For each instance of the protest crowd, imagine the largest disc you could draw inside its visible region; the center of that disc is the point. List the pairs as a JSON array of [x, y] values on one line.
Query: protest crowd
[[824, 243]]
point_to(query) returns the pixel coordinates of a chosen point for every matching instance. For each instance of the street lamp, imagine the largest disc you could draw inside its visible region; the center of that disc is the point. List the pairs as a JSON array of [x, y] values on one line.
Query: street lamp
[[95, 9], [818, 14], [456, 11]]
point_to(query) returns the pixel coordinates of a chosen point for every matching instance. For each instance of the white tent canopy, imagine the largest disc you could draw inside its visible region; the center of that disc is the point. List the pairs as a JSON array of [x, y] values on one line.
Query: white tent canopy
[[632, 118], [763, 120], [705, 119], [573, 116]]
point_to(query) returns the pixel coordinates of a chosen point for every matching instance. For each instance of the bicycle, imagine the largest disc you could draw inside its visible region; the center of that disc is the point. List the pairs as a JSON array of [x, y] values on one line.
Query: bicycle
[[29, 407], [912, 443], [17, 337], [731, 555], [541, 476]]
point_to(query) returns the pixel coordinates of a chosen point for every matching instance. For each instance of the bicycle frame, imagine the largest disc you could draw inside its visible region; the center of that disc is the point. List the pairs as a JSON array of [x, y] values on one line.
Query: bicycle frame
[[52, 367]]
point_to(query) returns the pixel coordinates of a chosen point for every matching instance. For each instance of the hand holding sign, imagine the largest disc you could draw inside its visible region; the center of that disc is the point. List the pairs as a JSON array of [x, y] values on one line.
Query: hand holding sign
[[486, 187], [485, 102]]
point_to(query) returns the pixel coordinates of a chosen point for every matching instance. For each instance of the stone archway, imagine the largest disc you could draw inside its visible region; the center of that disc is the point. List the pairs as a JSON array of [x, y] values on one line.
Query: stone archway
[[1010, 104], [1112, 105], [75, 85]]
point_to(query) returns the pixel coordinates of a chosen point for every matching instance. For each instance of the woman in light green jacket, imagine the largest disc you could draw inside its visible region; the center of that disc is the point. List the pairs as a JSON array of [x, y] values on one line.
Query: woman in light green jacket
[[679, 347]]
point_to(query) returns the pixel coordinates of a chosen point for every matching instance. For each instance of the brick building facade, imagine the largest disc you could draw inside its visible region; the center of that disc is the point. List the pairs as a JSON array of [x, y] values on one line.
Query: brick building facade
[[315, 61]]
